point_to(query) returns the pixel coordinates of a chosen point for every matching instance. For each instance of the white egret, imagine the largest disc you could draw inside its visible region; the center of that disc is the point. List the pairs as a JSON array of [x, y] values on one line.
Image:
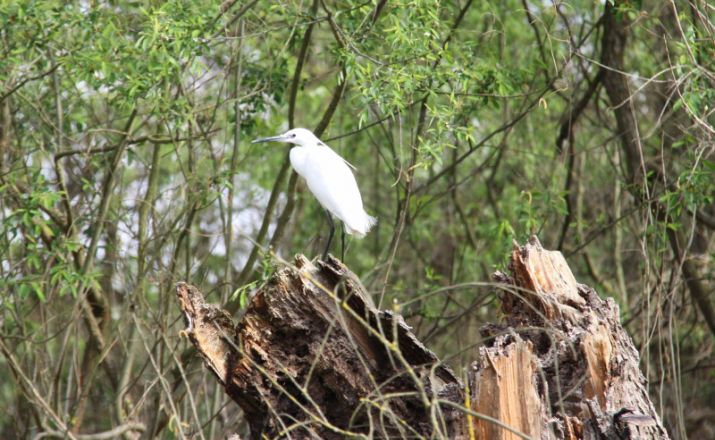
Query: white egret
[[329, 179]]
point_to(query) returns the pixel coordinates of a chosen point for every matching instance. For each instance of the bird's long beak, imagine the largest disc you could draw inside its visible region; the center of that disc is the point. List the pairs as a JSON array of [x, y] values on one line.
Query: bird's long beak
[[279, 138]]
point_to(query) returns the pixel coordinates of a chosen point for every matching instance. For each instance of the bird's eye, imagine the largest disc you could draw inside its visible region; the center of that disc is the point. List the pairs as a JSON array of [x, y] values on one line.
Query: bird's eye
[[292, 135]]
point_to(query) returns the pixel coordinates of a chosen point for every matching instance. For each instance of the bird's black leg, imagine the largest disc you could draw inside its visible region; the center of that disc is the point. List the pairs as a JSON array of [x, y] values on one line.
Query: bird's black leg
[[330, 235], [342, 239]]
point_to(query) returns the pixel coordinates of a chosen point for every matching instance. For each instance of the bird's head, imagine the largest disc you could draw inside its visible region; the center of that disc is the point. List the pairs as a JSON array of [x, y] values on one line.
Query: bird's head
[[298, 136]]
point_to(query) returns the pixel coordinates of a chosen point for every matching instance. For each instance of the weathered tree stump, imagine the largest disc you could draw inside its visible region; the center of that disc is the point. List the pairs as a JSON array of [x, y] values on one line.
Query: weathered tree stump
[[313, 358], [561, 366]]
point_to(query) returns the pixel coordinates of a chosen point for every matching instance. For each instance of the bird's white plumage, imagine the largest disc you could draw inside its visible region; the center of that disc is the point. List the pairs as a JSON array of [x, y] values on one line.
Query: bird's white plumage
[[329, 179], [333, 184]]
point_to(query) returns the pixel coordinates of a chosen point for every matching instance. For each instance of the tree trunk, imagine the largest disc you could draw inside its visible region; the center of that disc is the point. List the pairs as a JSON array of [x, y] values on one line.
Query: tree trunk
[[313, 358]]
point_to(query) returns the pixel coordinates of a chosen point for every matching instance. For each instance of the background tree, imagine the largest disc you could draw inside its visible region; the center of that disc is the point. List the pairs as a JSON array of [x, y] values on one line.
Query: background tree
[[126, 165]]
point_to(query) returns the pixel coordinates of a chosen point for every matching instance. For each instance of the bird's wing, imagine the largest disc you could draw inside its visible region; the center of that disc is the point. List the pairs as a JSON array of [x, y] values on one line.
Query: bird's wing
[[354, 168], [333, 184]]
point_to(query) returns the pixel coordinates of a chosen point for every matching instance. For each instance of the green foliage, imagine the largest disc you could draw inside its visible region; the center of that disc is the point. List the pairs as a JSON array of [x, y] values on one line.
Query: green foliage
[[693, 190]]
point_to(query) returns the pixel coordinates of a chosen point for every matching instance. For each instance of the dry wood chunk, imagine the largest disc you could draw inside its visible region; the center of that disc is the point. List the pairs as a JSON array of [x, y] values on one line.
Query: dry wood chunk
[[504, 389]]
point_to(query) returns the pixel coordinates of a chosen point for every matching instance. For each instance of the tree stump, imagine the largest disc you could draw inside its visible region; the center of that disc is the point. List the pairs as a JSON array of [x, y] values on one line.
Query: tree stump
[[561, 366], [313, 358]]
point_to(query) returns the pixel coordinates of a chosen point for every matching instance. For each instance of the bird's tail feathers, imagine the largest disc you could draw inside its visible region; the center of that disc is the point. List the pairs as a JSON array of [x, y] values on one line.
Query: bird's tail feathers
[[360, 230], [371, 221]]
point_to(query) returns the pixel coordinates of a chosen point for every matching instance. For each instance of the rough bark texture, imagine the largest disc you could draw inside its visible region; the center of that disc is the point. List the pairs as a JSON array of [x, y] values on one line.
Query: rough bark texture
[[587, 378], [313, 358]]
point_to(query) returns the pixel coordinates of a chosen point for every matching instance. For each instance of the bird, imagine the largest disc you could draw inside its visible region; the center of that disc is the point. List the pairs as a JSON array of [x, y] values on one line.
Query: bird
[[331, 181]]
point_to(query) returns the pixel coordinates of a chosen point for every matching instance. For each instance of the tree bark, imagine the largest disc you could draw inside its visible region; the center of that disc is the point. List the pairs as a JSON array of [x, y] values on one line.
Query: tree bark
[[312, 358]]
